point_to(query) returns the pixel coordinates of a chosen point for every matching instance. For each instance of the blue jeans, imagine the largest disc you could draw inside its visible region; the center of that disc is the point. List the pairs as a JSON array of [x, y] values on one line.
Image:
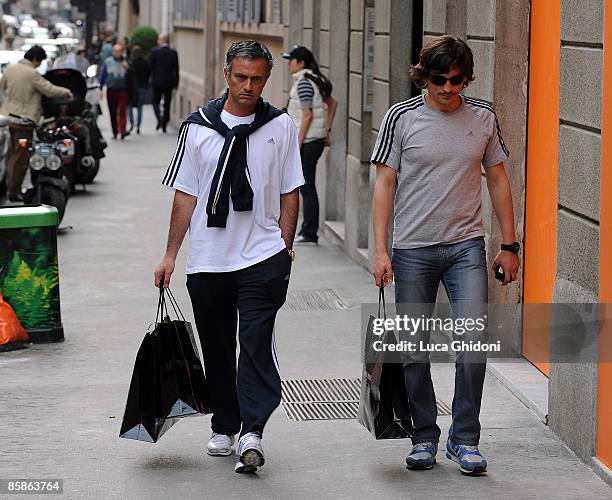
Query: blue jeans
[[462, 268], [142, 94]]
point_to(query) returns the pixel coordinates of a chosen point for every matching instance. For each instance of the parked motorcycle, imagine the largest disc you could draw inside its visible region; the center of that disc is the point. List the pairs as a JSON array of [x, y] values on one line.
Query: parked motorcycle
[[47, 171], [78, 117], [94, 92], [89, 72], [5, 151]]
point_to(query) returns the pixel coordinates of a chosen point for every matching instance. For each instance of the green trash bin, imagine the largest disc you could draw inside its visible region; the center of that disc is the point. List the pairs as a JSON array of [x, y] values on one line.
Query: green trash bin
[[29, 277]]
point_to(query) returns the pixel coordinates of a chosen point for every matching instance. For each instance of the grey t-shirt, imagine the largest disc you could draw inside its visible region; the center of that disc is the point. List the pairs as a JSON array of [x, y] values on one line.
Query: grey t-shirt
[[438, 158]]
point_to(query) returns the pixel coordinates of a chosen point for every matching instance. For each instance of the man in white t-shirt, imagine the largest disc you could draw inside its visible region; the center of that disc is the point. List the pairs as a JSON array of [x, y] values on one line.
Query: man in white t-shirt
[[236, 173]]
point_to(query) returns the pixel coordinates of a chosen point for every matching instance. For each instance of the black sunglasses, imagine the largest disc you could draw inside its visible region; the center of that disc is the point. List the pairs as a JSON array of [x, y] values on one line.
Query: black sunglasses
[[441, 80]]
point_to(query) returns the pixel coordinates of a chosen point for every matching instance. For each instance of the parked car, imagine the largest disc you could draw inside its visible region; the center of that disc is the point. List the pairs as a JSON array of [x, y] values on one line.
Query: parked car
[[68, 42], [9, 57], [26, 29], [52, 53], [64, 29], [39, 33], [10, 20], [54, 47]]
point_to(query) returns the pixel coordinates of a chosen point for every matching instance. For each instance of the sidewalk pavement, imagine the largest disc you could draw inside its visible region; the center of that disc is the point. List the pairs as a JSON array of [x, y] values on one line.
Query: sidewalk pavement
[[62, 404]]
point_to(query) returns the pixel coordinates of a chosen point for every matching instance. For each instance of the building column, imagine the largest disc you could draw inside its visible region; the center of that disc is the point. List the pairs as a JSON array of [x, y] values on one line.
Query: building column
[[510, 81], [361, 78], [337, 59], [603, 449], [573, 386], [456, 15]]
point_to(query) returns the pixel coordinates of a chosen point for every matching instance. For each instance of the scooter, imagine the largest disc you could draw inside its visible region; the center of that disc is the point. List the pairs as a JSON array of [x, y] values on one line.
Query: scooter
[[89, 72], [47, 171], [5, 151], [94, 92], [79, 117]]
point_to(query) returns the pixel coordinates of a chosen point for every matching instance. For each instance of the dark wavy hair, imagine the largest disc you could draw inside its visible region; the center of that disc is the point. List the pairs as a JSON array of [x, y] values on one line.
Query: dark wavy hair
[[321, 81], [249, 49], [136, 52], [35, 52], [441, 56]]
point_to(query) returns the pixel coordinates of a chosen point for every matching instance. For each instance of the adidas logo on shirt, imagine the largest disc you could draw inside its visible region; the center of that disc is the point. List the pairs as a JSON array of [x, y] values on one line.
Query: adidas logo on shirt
[[271, 140]]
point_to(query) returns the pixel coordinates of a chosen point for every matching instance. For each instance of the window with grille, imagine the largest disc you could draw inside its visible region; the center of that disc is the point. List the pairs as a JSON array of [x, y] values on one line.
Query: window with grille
[[188, 10], [250, 11]]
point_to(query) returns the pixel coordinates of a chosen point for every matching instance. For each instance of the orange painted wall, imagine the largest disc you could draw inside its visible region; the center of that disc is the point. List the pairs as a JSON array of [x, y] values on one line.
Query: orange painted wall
[[603, 445], [541, 184]]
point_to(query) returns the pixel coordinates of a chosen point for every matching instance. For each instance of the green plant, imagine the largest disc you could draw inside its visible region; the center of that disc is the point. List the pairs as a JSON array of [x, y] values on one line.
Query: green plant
[[32, 292], [146, 37]]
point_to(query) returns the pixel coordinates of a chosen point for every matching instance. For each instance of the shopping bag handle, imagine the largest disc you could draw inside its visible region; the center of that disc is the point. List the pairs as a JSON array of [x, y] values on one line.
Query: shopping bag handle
[[162, 306], [381, 300], [179, 314], [175, 306]]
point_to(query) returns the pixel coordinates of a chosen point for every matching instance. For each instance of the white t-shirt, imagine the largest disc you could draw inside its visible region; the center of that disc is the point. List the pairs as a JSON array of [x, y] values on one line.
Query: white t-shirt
[[275, 168]]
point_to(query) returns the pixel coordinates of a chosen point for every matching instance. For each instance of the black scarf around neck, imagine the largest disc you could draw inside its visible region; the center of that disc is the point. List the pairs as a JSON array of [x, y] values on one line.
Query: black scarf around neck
[[232, 172]]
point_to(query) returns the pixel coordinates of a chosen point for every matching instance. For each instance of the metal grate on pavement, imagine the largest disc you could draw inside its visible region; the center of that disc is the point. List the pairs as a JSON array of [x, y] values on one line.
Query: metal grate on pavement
[[314, 300], [321, 399], [327, 399], [443, 408], [321, 411]]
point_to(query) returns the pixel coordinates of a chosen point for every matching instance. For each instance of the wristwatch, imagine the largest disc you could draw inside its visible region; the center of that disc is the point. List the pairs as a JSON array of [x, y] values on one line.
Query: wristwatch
[[514, 247]]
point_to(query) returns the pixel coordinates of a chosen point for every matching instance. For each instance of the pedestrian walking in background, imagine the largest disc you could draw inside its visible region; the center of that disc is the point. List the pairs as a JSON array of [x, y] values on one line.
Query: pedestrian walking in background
[[93, 53], [138, 77], [312, 108], [125, 43], [114, 77], [164, 65], [428, 156], [9, 37], [241, 233], [106, 50], [23, 88]]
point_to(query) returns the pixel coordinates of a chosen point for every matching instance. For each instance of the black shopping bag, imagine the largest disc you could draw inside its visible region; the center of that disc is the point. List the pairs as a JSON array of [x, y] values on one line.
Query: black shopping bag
[[383, 405], [143, 419], [168, 381], [183, 386]]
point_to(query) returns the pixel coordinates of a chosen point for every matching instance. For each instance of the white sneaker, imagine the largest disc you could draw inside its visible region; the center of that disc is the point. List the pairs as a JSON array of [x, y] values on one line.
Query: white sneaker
[[249, 453], [220, 445]]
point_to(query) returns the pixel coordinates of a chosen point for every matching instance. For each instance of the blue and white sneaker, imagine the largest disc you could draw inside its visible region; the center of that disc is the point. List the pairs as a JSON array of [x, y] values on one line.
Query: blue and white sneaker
[[220, 445], [249, 453], [468, 458], [422, 456]]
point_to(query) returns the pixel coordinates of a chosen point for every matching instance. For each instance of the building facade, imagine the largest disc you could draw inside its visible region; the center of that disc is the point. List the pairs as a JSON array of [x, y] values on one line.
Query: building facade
[[541, 64]]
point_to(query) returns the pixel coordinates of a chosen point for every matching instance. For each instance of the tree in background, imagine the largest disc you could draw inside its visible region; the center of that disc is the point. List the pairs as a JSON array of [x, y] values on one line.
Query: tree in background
[[145, 37]]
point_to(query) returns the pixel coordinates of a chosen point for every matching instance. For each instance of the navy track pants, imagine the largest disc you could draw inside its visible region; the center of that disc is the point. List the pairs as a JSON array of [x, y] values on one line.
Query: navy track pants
[[247, 299]]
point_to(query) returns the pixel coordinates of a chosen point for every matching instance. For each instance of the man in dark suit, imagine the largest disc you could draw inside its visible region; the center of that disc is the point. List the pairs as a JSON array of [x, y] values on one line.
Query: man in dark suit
[[164, 77]]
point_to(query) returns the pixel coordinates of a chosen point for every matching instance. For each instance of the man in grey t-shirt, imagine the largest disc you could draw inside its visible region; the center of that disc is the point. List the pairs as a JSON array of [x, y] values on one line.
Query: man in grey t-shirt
[[428, 154]]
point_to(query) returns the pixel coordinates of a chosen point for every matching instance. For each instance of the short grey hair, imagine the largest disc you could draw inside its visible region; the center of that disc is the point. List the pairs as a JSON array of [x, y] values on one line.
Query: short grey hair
[[249, 49]]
